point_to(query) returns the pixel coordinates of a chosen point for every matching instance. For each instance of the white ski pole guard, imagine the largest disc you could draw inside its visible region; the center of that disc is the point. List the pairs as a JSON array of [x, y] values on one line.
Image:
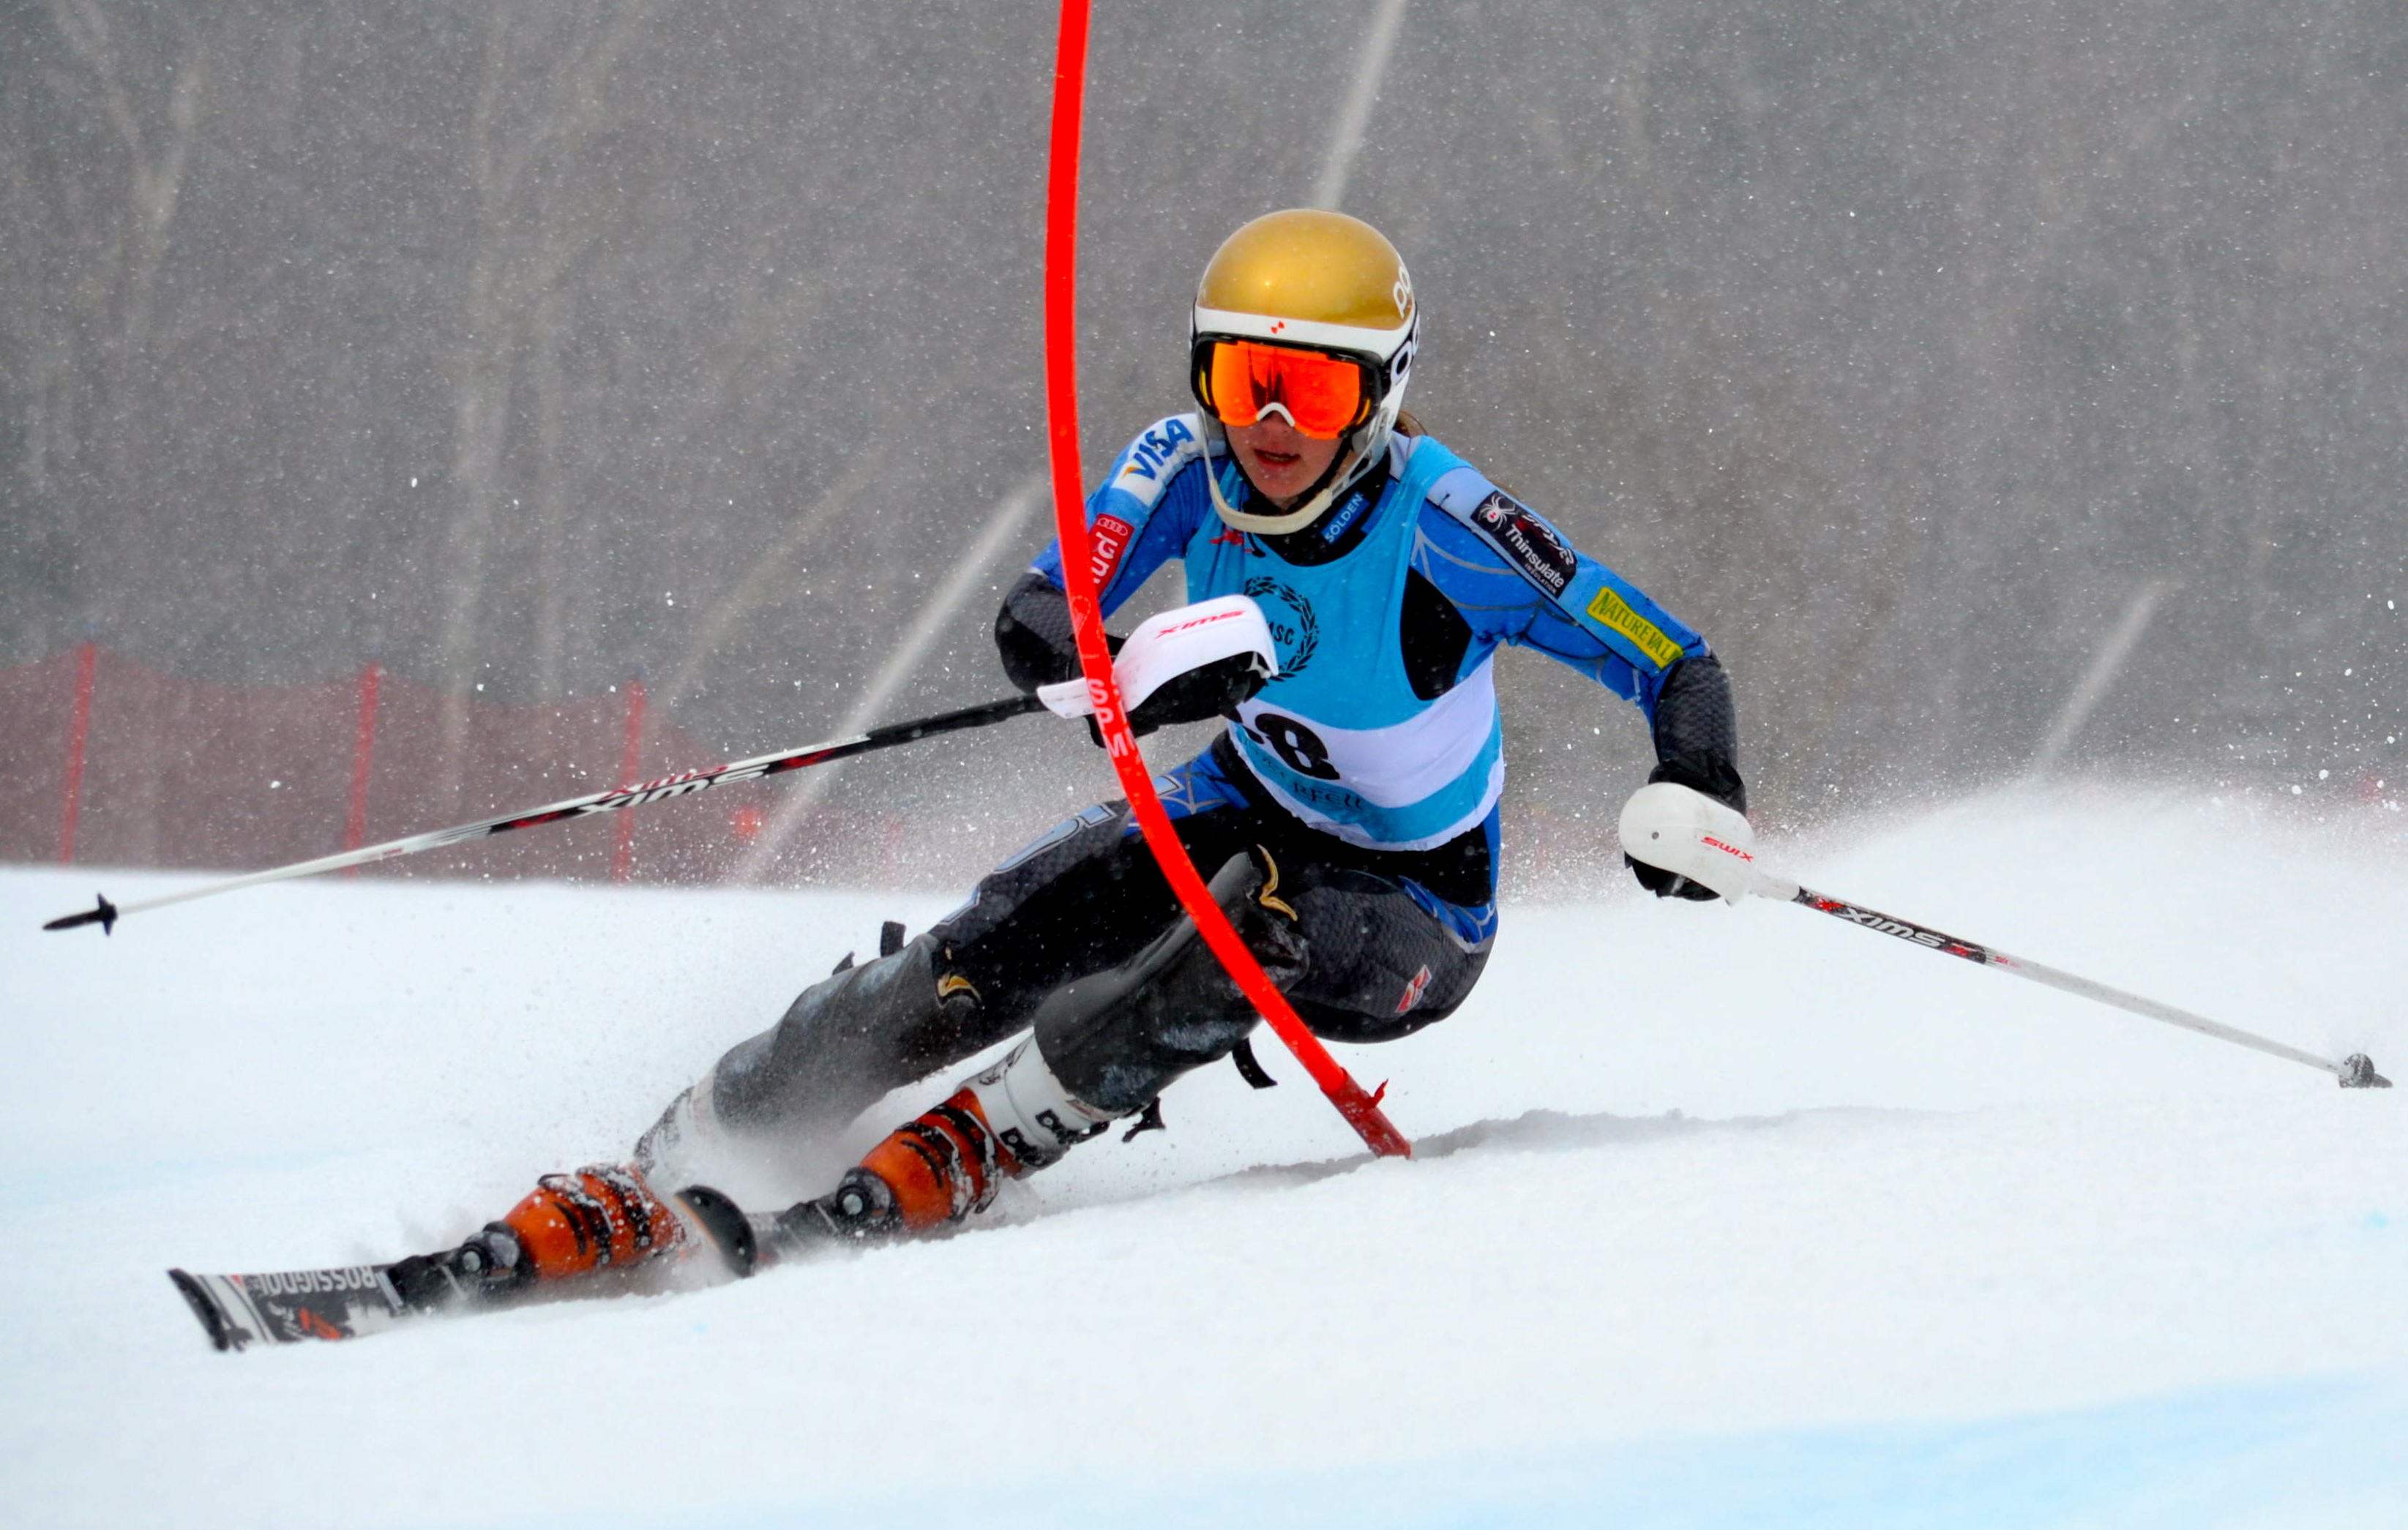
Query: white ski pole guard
[[1165, 647], [1685, 832]]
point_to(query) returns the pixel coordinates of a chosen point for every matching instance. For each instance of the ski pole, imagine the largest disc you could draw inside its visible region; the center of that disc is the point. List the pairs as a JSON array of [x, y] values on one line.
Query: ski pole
[[1678, 830], [2355, 1071], [106, 914]]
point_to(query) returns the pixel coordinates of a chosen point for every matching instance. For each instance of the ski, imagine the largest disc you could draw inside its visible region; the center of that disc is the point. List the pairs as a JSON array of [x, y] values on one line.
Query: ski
[[289, 1307], [353, 1301]]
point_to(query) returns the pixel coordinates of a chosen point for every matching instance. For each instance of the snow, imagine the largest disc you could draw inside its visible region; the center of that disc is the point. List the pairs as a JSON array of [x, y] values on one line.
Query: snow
[[1720, 1217]]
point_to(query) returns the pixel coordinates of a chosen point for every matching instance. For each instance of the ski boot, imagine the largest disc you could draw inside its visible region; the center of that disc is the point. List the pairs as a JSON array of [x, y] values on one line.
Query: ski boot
[[1102, 1047], [600, 1217], [945, 1163]]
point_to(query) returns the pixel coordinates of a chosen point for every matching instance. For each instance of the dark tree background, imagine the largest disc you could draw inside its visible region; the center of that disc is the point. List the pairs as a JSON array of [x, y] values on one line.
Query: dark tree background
[[1901, 345]]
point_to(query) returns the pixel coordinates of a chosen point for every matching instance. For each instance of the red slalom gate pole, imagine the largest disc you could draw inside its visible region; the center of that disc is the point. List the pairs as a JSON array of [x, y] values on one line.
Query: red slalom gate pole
[[356, 824], [631, 764], [1361, 1110], [78, 735]]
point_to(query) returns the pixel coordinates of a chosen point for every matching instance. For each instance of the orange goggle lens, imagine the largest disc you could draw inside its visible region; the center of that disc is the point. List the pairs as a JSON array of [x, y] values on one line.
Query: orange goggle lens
[[1324, 395]]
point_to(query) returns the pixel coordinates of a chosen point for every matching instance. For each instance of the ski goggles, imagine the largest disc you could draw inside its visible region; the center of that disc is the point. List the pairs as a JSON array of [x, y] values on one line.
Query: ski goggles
[[1323, 394]]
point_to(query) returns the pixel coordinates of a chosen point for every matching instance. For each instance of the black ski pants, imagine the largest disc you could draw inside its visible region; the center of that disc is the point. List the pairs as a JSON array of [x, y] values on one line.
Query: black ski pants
[[1086, 896]]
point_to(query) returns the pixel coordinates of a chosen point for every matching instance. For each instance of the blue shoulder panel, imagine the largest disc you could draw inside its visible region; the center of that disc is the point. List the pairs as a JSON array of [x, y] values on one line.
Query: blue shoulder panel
[[1517, 580]]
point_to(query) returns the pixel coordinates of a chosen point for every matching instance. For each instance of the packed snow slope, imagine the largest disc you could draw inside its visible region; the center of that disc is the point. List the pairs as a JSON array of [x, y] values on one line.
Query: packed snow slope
[[1720, 1217]]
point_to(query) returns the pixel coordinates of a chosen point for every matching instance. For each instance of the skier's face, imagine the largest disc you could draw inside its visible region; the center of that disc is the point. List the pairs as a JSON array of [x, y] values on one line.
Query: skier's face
[[1279, 460]]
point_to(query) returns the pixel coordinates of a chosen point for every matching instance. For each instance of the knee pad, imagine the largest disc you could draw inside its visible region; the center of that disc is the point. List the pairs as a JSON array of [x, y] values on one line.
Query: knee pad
[[1116, 1038], [1382, 966]]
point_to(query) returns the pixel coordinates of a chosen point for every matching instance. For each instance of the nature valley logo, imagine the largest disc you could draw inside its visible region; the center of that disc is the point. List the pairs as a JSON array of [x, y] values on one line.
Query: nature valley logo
[[1616, 612], [1293, 629]]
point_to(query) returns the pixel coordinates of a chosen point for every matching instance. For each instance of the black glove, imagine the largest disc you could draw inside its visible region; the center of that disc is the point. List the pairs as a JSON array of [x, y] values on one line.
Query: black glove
[[1668, 884], [1212, 690]]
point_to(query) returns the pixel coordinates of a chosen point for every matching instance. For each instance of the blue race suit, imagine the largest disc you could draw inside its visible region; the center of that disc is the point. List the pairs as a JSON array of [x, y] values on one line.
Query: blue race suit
[[1362, 782], [1367, 734]]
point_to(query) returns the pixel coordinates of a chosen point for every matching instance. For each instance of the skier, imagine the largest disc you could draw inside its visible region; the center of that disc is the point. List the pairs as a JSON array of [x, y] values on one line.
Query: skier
[[1346, 818]]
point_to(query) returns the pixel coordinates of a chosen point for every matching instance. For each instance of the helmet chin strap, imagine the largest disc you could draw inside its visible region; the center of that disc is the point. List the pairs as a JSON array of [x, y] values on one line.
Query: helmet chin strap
[[1350, 465]]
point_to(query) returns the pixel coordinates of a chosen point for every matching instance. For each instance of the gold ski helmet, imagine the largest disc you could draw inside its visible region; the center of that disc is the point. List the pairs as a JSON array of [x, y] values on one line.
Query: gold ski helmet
[[1310, 314]]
